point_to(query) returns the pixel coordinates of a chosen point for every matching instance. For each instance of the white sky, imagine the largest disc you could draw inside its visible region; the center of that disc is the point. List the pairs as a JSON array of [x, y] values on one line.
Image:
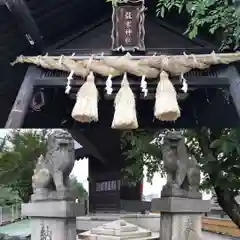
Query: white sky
[[80, 170]]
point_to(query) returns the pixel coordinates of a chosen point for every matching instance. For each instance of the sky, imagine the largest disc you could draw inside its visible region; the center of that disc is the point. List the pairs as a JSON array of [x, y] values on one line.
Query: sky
[[80, 170]]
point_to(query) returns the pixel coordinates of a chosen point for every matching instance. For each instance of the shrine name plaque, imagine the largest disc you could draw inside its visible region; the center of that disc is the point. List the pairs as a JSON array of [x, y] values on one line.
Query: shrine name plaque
[[128, 28]]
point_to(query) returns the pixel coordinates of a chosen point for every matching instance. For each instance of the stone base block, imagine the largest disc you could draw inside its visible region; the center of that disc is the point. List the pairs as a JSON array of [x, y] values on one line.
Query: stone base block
[[53, 220], [180, 205], [56, 209], [46, 195], [177, 192]]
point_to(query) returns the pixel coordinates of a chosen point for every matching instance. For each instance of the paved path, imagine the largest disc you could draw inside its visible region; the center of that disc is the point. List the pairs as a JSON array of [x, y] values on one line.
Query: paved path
[[22, 228], [212, 236]]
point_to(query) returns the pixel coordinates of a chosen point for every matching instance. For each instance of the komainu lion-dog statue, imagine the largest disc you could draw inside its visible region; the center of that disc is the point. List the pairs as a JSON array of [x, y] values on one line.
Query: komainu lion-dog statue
[[51, 175], [183, 172]]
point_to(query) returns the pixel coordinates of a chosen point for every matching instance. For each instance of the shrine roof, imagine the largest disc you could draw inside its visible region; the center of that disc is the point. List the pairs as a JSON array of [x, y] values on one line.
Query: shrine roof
[[64, 26], [55, 23]]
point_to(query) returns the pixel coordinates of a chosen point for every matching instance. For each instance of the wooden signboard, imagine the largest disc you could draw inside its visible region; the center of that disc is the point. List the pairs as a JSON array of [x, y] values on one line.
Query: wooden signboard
[[128, 31]]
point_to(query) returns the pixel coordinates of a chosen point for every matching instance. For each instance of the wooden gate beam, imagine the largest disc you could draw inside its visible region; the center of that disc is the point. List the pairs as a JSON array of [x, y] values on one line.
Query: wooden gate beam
[[232, 74], [20, 106], [87, 145]]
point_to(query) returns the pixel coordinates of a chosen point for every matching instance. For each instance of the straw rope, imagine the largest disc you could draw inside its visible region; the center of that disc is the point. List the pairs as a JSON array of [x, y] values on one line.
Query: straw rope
[[125, 116], [147, 66]]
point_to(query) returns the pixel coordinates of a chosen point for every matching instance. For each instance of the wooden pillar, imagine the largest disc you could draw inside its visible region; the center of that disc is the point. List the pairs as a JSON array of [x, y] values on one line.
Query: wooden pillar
[[20, 106], [234, 80]]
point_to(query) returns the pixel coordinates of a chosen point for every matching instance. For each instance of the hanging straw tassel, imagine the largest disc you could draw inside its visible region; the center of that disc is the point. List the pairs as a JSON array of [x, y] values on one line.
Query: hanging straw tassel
[[86, 106], [166, 105], [125, 116]]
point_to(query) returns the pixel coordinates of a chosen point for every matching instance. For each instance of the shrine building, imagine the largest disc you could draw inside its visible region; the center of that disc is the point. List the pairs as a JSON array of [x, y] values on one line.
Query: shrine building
[[34, 96]]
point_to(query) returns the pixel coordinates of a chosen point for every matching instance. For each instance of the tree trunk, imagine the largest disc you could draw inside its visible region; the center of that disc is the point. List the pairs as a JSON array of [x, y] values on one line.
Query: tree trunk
[[228, 204]]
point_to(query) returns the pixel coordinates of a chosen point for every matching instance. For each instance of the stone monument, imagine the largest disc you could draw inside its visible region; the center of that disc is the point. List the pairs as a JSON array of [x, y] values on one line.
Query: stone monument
[[181, 203], [52, 208]]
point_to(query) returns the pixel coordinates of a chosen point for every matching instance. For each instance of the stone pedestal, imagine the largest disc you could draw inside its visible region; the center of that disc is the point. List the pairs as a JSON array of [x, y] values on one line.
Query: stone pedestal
[[53, 220], [181, 218]]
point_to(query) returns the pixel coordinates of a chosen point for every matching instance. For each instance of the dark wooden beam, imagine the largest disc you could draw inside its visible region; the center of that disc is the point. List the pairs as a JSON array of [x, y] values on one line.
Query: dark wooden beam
[[89, 147], [80, 153], [20, 106], [135, 205], [149, 51], [26, 23], [218, 111], [193, 81], [234, 80]]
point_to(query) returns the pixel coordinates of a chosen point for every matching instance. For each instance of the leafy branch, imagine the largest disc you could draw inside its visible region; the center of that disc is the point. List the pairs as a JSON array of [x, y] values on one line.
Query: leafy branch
[[218, 16], [143, 150]]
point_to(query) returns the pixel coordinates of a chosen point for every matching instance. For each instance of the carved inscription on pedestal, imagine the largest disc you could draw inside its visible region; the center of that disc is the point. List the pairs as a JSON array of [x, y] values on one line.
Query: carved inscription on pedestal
[[45, 233], [188, 227]]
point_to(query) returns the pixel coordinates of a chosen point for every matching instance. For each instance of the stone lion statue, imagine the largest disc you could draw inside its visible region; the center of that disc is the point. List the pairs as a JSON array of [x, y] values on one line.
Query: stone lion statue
[[182, 170], [52, 171]]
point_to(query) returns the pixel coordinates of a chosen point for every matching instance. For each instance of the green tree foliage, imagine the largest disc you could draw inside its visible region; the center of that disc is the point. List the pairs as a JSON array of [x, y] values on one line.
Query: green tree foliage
[[216, 150], [141, 152], [221, 17], [77, 188], [19, 152]]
